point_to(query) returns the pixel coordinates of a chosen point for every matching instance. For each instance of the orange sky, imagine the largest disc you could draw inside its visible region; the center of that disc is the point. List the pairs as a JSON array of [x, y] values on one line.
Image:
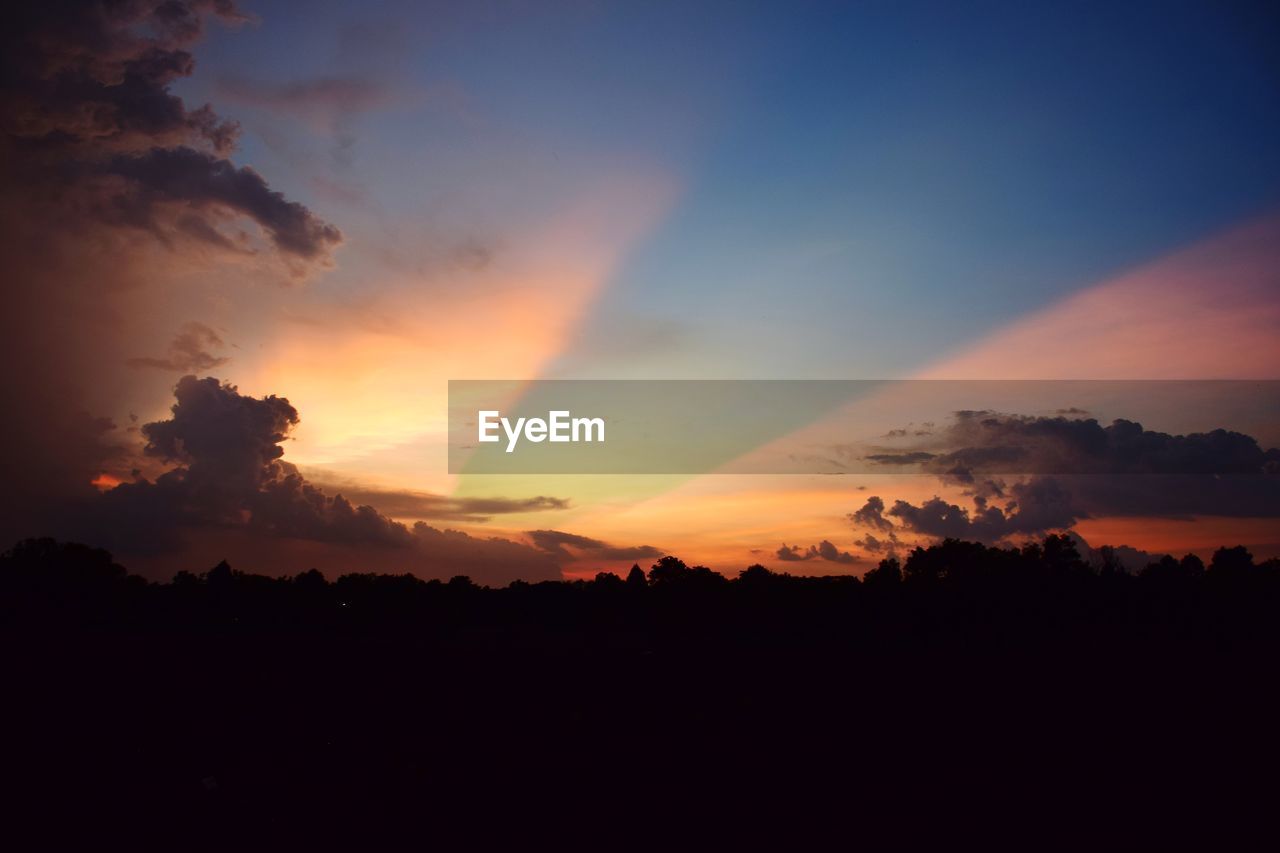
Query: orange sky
[[366, 403], [350, 227]]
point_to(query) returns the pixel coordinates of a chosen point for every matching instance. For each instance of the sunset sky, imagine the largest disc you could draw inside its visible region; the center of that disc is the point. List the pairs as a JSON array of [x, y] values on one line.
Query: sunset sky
[[420, 192]]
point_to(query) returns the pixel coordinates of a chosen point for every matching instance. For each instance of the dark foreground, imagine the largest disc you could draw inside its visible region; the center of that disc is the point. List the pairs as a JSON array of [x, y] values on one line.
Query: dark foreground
[[1017, 697]]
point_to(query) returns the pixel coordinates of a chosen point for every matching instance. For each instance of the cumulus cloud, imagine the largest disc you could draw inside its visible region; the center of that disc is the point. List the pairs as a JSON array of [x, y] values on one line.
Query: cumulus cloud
[[227, 472], [1073, 468], [824, 550], [873, 544], [872, 515], [110, 177], [1033, 507]]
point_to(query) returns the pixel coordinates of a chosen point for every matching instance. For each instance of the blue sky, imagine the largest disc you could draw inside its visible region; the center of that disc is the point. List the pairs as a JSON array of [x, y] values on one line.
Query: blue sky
[[862, 187]]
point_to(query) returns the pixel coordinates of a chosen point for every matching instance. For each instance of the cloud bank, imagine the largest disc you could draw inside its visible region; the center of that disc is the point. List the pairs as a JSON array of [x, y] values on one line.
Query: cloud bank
[[566, 547], [1071, 469], [225, 470], [112, 183]]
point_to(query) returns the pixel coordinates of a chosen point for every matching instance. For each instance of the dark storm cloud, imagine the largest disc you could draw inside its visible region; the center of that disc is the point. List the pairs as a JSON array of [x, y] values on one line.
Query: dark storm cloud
[[228, 473], [96, 75], [196, 180], [824, 550], [189, 351], [874, 545], [101, 164], [982, 441], [1047, 503], [1033, 507], [557, 543], [1178, 495], [89, 124], [1120, 469], [1076, 468], [872, 515], [221, 436]]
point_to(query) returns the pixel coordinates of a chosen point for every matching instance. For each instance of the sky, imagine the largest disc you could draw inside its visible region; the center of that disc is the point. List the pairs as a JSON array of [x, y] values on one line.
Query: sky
[[381, 197]]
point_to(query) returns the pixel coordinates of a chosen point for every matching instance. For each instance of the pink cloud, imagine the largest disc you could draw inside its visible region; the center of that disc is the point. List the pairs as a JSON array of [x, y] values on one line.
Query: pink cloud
[[1207, 311]]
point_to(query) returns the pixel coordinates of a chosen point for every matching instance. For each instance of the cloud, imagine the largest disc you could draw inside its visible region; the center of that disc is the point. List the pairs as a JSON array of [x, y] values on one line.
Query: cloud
[[167, 179], [400, 503], [94, 76], [824, 550], [189, 351], [225, 452], [978, 442], [113, 185], [871, 515], [985, 441], [227, 473], [1123, 557], [1120, 469], [874, 545], [911, 458], [90, 127], [558, 543], [1178, 495], [1034, 507], [1075, 468]]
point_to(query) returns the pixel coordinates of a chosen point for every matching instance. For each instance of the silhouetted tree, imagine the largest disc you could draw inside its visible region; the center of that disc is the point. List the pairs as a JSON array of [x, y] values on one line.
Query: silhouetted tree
[[888, 573], [755, 575], [636, 578], [311, 581], [1192, 565], [667, 570], [1231, 562], [49, 564], [608, 580], [952, 559], [220, 576], [1061, 554], [1164, 569]]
